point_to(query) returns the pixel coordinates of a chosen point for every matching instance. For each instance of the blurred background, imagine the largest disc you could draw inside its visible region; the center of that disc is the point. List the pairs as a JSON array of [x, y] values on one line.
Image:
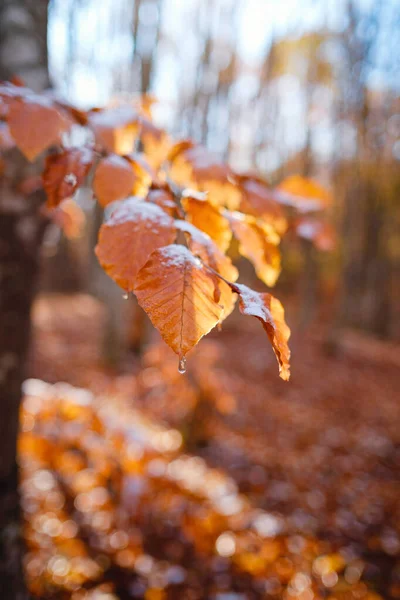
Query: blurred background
[[306, 87]]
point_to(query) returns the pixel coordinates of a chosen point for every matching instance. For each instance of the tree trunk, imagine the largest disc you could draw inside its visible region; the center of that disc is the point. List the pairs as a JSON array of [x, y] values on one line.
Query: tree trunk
[[23, 52], [20, 239]]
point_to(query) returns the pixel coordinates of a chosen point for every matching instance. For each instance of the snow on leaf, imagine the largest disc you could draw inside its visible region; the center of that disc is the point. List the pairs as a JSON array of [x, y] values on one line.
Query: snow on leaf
[[177, 294], [64, 173], [267, 309], [134, 230], [258, 243], [35, 124]]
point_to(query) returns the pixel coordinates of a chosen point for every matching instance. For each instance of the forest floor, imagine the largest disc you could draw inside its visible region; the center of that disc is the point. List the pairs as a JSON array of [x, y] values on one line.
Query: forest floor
[[319, 456]]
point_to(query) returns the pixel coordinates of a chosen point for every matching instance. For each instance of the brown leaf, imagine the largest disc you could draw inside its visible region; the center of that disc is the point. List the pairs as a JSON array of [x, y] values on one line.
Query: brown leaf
[[70, 218], [127, 239], [64, 173], [177, 294], [116, 128], [201, 245], [257, 200], [208, 218], [303, 194], [113, 180], [319, 232], [270, 312], [258, 243], [164, 200], [35, 124], [156, 143]]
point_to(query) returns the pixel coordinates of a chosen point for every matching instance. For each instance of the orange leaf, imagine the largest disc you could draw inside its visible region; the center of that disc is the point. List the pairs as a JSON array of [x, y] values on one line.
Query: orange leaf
[[144, 174], [127, 239], [320, 233], [258, 200], [35, 124], [258, 243], [64, 173], [177, 294], [164, 200], [70, 218], [115, 129], [270, 312], [303, 194], [208, 218], [201, 245], [114, 179], [156, 143]]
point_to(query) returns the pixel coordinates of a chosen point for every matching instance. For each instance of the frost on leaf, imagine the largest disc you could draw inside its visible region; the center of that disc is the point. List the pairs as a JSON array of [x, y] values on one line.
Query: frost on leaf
[[208, 218], [134, 230], [258, 243], [35, 124], [177, 293], [64, 173], [302, 194], [270, 312], [116, 128], [201, 245], [164, 199]]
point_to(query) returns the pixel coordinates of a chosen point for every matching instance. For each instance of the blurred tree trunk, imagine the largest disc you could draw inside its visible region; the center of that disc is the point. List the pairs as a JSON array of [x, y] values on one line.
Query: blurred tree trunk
[[23, 52]]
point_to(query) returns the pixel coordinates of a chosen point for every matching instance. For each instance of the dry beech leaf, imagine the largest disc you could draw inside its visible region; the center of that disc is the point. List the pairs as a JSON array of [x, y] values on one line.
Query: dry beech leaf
[[303, 194], [70, 218], [257, 243], [64, 173], [144, 174], [270, 312], [201, 245], [114, 179], [116, 129], [156, 143], [257, 200], [207, 217], [164, 200], [198, 168], [35, 124], [177, 294], [320, 233], [127, 239]]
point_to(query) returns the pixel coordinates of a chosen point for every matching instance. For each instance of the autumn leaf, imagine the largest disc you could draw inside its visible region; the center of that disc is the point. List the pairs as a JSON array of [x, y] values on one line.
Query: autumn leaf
[[116, 128], [208, 218], [270, 312], [317, 231], [144, 173], [177, 294], [64, 173], [156, 143], [134, 230], [257, 200], [163, 199], [201, 245], [303, 194], [70, 218], [258, 243], [35, 124], [117, 177]]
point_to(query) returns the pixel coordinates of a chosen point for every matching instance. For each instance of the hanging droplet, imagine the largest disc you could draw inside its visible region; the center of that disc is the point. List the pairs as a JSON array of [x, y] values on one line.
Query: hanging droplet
[[182, 364], [219, 326], [125, 296]]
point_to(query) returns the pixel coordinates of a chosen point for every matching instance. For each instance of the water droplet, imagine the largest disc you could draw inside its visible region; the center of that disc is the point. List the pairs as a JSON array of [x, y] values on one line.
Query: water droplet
[[182, 364], [125, 296]]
